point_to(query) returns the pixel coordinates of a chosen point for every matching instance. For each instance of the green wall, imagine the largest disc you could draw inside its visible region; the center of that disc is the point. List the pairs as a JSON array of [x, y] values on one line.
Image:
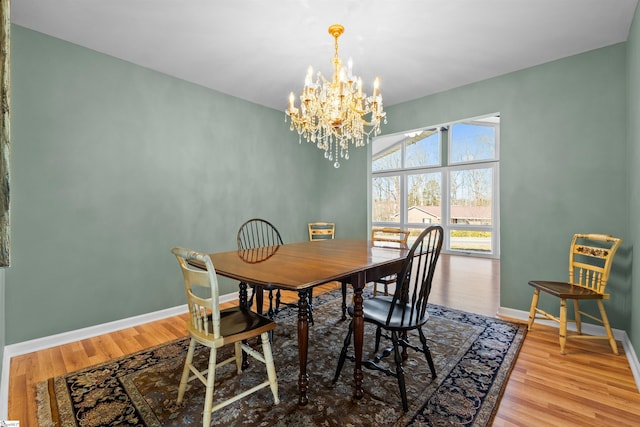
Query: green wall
[[563, 165], [633, 125], [113, 164]]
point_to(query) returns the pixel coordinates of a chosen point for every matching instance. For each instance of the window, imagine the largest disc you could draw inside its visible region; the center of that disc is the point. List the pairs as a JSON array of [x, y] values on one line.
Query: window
[[423, 150], [386, 198], [446, 175], [424, 198], [389, 160], [472, 142]]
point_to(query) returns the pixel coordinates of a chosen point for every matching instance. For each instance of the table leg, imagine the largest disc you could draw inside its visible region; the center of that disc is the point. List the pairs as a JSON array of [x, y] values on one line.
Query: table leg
[[358, 334], [303, 340]]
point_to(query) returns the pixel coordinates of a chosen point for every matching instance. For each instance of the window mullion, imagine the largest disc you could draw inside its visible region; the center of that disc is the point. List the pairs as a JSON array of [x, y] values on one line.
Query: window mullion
[[445, 207]]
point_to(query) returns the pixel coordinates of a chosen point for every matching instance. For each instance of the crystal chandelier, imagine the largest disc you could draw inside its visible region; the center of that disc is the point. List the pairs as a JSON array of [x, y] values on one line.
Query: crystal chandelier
[[334, 113]]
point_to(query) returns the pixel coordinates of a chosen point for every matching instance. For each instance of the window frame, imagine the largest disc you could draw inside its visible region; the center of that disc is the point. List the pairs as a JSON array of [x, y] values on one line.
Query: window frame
[[445, 169]]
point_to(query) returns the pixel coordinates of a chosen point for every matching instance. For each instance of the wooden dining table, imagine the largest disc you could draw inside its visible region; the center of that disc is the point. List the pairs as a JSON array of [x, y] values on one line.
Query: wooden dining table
[[301, 266]]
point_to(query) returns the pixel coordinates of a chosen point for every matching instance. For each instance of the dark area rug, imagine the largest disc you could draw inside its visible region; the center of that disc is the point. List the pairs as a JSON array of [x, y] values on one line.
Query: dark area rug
[[473, 355]]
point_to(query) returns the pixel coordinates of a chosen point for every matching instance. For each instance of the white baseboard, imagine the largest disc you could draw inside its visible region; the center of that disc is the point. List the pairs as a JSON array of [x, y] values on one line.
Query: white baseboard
[[38, 344], [589, 329]]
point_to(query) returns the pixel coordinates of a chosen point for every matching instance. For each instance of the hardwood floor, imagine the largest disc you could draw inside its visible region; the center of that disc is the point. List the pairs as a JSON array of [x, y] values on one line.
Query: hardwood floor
[[587, 387]]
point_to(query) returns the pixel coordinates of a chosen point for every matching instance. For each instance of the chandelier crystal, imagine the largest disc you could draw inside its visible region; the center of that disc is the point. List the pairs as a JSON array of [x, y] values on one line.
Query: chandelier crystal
[[335, 113]]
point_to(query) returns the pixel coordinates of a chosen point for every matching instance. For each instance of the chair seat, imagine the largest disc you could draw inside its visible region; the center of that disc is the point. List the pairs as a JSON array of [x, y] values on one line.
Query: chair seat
[[387, 280], [237, 324], [565, 290], [376, 310]]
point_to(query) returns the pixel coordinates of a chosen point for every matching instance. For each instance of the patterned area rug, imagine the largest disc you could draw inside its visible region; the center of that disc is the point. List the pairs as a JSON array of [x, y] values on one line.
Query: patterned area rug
[[473, 355]]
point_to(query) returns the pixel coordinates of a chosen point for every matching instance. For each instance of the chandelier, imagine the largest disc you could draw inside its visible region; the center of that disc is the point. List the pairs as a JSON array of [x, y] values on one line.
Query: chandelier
[[335, 113]]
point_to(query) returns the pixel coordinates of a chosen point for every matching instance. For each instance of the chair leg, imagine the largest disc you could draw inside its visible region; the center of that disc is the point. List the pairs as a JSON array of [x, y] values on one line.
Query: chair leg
[[278, 300], [403, 342], [427, 353], [271, 368], [242, 295], [271, 313], [378, 336], [185, 371], [563, 325], [607, 326], [532, 310], [208, 397], [399, 370], [576, 310], [343, 352], [344, 300], [238, 352]]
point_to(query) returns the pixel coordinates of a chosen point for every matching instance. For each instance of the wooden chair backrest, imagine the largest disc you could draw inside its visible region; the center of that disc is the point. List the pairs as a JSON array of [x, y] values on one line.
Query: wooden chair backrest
[[321, 230], [415, 277], [390, 236], [203, 304], [590, 259], [258, 233]]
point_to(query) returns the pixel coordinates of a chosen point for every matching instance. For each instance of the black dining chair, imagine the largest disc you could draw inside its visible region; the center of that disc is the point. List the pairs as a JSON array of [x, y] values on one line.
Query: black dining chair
[[403, 312], [259, 233]]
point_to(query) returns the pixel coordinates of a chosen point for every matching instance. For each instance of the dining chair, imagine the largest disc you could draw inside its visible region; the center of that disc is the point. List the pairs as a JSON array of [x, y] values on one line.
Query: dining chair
[[403, 312], [259, 233], [392, 237], [590, 260], [321, 230], [214, 328]]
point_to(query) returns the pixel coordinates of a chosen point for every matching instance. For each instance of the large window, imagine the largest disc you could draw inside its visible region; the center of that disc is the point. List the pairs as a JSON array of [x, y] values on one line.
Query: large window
[[446, 175]]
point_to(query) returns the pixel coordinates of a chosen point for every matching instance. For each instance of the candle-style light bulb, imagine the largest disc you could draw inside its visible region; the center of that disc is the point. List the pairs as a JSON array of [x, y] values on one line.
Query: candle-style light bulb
[[309, 79], [291, 100]]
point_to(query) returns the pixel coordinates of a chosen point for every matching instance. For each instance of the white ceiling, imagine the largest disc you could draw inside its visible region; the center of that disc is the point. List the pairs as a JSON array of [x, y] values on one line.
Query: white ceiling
[[260, 50]]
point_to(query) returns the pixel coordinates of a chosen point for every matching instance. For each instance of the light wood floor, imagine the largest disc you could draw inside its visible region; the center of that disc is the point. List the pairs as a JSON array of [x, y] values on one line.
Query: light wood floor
[[587, 387]]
